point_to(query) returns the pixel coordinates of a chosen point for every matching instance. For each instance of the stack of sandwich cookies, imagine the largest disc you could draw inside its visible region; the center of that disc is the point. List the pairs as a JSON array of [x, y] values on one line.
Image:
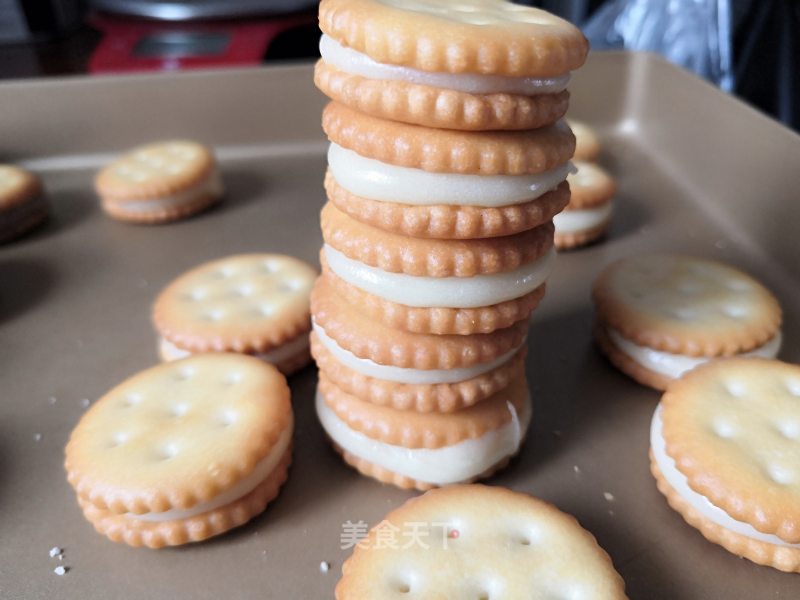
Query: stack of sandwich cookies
[[477, 65], [410, 371], [587, 216], [659, 316], [183, 451], [160, 183], [447, 164], [725, 451], [22, 203], [475, 541], [254, 304]]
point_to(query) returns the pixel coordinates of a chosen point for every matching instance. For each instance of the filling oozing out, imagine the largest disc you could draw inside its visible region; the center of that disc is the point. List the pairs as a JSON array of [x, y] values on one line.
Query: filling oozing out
[[583, 219], [376, 180], [170, 351], [406, 375], [211, 186], [675, 365], [451, 292]]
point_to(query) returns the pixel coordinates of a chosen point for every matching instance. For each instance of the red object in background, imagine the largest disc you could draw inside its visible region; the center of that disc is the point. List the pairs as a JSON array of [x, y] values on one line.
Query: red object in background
[[131, 45]]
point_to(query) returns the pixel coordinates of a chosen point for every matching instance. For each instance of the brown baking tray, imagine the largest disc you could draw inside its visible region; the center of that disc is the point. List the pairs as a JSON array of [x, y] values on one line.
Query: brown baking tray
[[698, 171]]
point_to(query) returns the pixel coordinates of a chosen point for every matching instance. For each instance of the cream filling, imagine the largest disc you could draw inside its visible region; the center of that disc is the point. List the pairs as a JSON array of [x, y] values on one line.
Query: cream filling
[[700, 503], [354, 62], [583, 219], [368, 368], [261, 471], [376, 180], [440, 466], [452, 292], [170, 351], [675, 365], [212, 185]]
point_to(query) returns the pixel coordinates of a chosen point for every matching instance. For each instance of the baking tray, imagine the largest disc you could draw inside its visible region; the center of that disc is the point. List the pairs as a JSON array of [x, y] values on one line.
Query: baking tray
[[699, 173]]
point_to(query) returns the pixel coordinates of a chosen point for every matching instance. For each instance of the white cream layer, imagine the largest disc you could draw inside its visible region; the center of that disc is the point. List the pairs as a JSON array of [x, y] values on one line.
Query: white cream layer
[[212, 185], [440, 466], [354, 62], [700, 503], [583, 219], [262, 470], [452, 292], [170, 351], [369, 368], [376, 180], [675, 365]]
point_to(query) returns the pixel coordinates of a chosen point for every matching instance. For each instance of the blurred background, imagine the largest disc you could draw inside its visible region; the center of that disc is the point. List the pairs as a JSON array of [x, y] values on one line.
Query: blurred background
[[750, 48]]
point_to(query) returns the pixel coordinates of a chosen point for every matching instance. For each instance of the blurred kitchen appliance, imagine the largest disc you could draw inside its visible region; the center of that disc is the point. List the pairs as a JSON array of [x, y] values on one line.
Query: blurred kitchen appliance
[[193, 10], [146, 35]]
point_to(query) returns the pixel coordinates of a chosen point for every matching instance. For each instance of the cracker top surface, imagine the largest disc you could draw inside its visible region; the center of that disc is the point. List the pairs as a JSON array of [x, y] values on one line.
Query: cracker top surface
[[686, 305], [248, 302], [16, 185], [159, 168], [733, 428], [587, 144], [479, 542], [590, 186], [474, 36], [178, 434]]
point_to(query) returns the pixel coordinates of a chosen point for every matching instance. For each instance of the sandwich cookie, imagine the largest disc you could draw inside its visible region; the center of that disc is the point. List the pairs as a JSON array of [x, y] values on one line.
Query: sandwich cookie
[[587, 144], [477, 65], [410, 370], [415, 450], [588, 213], [424, 285], [476, 541], [250, 303], [408, 179], [659, 316], [183, 451], [160, 183], [22, 203], [725, 451], [346, 371]]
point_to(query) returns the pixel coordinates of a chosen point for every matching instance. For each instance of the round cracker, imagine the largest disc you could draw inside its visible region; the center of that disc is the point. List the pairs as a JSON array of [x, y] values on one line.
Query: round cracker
[[366, 338], [448, 221], [422, 398], [412, 429], [250, 303], [477, 36], [480, 542], [685, 305], [762, 553], [733, 429], [590, 186], [449, 151], [437, 107], [422, 257], [438, 320], [178, 434], [587, 144], [158, 169]]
